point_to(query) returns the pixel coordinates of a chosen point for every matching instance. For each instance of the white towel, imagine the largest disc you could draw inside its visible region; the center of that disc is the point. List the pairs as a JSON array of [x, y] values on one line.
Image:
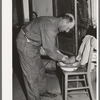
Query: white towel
[[84, 49]]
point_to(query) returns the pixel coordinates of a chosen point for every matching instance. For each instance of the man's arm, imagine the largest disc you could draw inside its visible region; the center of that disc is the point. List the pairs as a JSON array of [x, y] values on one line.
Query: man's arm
[[48, 40]]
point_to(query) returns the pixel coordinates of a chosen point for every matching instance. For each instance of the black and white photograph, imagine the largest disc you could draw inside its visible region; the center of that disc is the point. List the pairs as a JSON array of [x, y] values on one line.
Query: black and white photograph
[[54, 50]]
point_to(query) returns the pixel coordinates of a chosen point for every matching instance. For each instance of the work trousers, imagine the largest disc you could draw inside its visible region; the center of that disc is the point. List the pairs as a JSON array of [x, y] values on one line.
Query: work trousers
[[32, 68]]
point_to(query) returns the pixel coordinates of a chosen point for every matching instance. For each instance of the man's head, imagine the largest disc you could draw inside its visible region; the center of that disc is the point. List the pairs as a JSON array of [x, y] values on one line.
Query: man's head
[[66, 23]]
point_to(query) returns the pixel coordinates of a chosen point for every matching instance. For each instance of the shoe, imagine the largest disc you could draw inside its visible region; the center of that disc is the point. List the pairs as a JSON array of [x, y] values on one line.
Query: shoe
[[48, 94]]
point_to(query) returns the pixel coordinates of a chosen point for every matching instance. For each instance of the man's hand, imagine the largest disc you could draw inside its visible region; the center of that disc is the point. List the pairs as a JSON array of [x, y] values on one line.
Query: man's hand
[[72, 59], [65, 60]]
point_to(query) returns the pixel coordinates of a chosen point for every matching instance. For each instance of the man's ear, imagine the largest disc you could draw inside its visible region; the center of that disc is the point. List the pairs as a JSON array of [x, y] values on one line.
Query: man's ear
[[65, 22]]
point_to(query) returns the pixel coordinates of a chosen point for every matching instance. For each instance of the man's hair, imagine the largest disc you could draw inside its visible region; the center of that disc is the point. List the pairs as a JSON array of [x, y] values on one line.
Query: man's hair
[[68, 16]]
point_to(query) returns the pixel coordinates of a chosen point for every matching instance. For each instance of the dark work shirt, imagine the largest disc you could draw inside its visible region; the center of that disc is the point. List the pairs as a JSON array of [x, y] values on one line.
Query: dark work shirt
[[42, 31]]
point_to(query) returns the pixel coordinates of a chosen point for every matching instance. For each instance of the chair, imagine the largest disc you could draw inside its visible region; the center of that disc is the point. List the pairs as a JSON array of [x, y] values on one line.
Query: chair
[[82, 75]]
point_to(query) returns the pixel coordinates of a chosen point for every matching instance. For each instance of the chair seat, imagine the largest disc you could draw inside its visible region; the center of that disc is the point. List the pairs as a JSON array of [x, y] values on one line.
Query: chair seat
[[80, 69]]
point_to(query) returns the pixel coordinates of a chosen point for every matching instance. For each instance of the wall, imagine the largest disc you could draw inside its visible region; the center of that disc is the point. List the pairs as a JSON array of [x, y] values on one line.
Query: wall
[[94, 11], [15, 19], [26, 10], [43, 7]]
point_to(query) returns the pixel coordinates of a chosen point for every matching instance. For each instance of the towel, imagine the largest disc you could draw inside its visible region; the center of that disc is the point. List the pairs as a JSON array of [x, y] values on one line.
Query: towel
[[84, 49]]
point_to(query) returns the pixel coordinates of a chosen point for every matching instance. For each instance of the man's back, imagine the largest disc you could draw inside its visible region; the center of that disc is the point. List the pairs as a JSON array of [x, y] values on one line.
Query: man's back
[[39, 26]]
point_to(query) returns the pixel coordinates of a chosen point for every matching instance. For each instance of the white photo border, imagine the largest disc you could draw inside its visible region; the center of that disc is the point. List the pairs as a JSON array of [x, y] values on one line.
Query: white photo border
[[7, 71]]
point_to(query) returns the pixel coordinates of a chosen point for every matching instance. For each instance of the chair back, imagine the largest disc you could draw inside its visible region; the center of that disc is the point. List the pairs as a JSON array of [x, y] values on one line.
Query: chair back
[[90, 55]]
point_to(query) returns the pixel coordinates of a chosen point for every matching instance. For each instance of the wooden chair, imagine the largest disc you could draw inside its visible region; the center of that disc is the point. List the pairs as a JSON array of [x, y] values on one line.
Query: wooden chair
[[82, 75]]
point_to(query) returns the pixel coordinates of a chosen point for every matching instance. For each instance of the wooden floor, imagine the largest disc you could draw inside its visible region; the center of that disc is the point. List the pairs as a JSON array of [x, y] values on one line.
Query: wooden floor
[[18, 92]]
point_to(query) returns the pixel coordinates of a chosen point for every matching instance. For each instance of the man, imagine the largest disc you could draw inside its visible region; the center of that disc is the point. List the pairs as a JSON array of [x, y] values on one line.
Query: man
[[42, 31]]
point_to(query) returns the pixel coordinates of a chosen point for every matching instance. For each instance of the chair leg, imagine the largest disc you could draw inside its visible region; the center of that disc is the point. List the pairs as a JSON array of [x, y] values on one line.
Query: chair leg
[[90, 87], [66, 86], [62, 88], [85, 80], [77, 81], [85, 83]]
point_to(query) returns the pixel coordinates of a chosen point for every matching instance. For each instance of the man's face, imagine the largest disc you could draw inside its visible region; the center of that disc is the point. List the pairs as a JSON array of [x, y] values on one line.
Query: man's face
[[65, 25]]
